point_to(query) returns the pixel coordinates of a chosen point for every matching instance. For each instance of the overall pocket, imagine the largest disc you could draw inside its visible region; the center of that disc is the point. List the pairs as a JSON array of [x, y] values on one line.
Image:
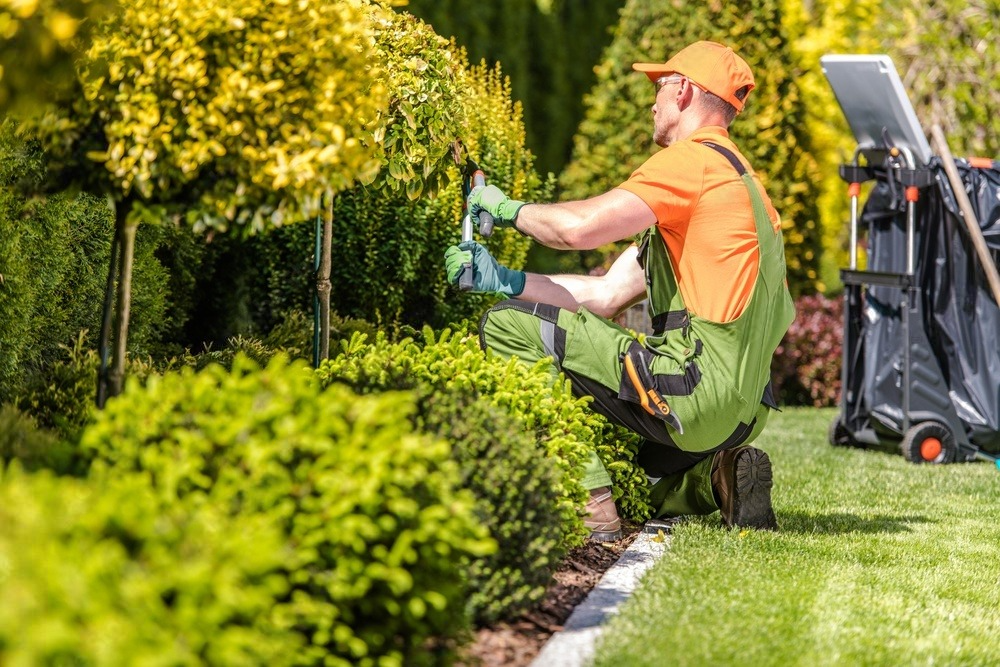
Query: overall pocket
[[650, 390]]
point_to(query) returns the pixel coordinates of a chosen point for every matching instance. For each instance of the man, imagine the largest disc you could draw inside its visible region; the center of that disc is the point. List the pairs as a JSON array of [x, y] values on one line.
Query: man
[[709, 258]]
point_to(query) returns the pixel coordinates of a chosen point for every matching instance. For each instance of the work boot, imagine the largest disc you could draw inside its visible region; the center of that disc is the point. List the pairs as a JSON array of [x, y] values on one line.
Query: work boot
[[602, 516], [741, 480]]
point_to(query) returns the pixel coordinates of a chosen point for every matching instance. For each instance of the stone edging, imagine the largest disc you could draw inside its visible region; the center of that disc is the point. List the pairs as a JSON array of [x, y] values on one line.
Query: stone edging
[[573, 646]]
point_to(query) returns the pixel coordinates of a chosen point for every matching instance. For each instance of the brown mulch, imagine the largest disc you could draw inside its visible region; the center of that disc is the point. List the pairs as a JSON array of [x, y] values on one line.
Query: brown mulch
[[516, 643]]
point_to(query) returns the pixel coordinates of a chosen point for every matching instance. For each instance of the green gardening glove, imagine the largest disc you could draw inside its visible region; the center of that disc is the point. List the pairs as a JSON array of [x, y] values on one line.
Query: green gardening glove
[[488, 275], [491, 199]]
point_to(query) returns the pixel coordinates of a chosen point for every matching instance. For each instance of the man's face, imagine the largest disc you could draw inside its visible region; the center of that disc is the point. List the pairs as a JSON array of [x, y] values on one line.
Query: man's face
[[665, 110]]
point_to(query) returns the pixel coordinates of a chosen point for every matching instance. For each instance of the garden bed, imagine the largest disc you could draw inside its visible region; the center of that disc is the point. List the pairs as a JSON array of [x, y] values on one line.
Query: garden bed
[[516, 643]]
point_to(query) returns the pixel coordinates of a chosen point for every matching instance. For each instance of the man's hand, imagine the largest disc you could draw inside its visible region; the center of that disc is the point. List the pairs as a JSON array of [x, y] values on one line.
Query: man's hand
[[488, 275], [491, 199]]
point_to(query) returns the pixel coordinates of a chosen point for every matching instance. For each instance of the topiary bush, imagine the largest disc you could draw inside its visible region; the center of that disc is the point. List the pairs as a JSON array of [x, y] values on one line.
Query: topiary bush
[[108, 574], [807, 363], [375, 526], [387, 261]]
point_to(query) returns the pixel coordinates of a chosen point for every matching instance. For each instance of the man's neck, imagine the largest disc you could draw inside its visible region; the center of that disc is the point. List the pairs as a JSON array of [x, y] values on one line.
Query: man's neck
[[693, 123]]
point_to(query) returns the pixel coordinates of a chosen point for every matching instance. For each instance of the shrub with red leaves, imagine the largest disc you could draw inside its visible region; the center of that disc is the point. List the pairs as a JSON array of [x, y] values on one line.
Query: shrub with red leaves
[[806, 365]]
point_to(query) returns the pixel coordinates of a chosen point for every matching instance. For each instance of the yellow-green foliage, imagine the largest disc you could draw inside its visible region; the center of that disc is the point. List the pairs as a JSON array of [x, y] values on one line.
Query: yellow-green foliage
[[108, 574], [425, 111], [947, 53], [246, 111], [376, 528], [495, 139], [615, 136], [38, 42]]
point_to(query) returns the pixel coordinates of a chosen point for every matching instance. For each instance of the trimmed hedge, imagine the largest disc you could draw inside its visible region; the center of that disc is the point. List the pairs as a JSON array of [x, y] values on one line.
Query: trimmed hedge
[[375, 526], [515, 484]]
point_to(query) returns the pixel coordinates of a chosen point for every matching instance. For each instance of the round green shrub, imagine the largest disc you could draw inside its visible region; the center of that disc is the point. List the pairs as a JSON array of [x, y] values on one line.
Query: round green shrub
[[516, 487], [375, 524]]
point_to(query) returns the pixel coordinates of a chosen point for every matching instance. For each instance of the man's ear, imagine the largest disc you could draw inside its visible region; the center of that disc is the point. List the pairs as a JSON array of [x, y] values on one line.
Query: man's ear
[[685, 94]]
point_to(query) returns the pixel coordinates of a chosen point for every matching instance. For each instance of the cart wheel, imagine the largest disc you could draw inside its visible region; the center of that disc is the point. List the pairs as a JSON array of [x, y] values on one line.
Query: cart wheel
[[838, 435], [928, 442]]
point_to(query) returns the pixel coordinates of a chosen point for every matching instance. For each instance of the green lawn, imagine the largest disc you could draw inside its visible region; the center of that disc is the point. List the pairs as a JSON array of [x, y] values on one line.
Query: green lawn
[[878, 562]]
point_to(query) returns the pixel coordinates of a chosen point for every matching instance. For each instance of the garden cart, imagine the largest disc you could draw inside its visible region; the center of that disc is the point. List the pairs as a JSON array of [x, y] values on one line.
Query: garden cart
[[921, 357]]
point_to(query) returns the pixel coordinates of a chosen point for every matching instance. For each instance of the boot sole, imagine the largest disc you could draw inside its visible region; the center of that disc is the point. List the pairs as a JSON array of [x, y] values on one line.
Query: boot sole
[[752, 498], [604, 535]]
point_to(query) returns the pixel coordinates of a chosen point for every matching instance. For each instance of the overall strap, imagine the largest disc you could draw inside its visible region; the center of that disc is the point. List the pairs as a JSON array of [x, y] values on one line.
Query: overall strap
[[767, 238], [728, 154]]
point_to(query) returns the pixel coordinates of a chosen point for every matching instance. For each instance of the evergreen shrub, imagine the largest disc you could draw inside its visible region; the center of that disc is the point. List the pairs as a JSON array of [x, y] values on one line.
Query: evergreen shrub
[[516, 488], [54, 254], [375, 527], [61, 395], [108, 574]]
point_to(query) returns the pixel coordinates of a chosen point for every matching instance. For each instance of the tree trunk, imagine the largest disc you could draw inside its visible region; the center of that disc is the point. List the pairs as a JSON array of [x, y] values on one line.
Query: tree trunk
[[126, 243], [323, 285], [104, 343]]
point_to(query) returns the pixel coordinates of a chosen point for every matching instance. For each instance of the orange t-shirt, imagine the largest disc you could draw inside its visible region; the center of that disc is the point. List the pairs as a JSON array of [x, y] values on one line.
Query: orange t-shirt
[[704, 214]]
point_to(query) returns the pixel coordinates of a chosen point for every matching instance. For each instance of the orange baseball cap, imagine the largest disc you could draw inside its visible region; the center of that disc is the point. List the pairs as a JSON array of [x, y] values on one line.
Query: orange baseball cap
[[714, 67]]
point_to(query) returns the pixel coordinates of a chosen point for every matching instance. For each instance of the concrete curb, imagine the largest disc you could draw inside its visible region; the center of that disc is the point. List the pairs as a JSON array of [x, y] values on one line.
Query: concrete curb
[[574, 645]]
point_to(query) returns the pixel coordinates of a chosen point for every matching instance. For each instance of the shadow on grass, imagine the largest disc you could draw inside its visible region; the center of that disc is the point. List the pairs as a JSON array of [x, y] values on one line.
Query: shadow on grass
[[839, 523]]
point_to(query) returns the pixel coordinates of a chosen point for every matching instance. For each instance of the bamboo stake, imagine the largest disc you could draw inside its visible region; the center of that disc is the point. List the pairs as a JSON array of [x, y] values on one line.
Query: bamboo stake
[[323, 285], [971, 222]]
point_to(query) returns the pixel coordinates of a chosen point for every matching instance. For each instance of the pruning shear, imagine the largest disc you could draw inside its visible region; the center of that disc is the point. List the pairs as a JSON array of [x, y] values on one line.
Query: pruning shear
[[472, 177]]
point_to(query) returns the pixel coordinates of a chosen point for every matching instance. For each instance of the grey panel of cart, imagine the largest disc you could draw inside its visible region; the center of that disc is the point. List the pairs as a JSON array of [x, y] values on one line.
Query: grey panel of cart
[[876, 106]]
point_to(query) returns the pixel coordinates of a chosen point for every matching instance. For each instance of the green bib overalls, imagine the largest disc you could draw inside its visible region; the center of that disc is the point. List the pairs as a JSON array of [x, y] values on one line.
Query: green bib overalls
[[692, 388]]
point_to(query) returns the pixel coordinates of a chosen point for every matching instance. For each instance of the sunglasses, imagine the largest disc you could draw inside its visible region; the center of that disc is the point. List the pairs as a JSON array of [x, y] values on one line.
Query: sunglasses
[[664, 80]]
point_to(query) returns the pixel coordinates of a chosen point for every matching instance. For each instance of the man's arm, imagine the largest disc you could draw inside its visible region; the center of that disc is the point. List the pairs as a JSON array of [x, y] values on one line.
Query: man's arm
[[586, 224], [623, 285]]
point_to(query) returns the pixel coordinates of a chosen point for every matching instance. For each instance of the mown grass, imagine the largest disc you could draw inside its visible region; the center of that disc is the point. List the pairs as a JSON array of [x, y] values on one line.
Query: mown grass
[[878, 562]]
